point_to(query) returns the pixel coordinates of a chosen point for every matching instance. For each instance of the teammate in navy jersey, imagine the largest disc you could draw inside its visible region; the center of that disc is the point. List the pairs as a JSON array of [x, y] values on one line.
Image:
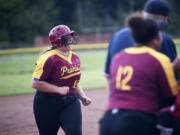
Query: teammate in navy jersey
[[56, 79], [138, 77], [157, 10]]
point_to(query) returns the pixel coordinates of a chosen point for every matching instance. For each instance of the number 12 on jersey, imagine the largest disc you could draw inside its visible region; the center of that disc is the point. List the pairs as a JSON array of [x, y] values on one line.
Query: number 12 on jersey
[[122, 82]]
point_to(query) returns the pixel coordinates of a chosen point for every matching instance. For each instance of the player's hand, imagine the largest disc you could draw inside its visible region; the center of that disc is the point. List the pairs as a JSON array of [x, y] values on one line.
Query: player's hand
[[85, 100], [63, 90]]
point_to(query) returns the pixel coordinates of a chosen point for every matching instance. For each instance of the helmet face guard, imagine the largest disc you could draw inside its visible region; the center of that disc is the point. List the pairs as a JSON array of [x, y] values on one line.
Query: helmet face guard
[[70, 39], [61, 35]]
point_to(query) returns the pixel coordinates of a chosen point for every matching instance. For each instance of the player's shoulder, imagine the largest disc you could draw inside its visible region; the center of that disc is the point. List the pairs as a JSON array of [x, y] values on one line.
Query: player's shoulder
[[123, 31], [120, 54], [74, 54], [159, 55], [162, 58], [123, 39], [166, 37], [45, 56], [144, 49]]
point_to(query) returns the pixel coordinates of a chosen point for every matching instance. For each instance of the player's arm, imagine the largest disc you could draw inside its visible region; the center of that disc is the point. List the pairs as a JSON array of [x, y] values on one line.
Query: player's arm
[[108, 81], [107, 67], [168, 82], [49, 88], [82, 96], [42, 71]]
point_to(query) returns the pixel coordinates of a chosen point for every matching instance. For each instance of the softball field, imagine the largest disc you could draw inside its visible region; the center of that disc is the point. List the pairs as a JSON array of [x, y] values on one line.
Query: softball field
[[16, 114]]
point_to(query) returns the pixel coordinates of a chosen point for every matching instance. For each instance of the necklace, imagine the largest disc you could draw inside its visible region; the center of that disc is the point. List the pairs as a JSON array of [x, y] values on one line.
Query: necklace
[[63, 53]]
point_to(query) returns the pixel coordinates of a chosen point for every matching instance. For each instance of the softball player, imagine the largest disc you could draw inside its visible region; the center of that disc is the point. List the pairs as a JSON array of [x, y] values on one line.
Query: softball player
[[176, 114], [138, 76], [176, 107], [56, 79], [168, 121], [158, 10]]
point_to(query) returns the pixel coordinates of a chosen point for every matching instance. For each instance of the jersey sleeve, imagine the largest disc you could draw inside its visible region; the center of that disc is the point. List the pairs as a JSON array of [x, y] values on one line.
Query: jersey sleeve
[[167, 81], [43, 68]]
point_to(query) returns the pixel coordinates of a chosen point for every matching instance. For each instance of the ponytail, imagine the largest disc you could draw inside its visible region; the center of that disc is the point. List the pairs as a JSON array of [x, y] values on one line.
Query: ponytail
[[49, 49]]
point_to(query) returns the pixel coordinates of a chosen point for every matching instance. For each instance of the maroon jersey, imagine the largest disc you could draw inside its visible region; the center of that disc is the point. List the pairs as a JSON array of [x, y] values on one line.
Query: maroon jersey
[[176, 107], [138, 76], [176, 110], [59, 70]]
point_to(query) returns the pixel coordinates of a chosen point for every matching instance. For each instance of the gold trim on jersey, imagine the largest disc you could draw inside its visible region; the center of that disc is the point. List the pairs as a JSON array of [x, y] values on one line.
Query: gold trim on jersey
[[40, 64], [163, 60], [69, 76], [43, 58], [64, 57]]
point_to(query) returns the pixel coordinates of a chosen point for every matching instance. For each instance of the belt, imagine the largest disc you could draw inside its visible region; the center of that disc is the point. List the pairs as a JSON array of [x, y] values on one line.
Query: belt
[[63, 97]]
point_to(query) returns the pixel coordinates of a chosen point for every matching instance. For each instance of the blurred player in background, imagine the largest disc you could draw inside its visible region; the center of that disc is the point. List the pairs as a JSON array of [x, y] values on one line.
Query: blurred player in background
[[175, 109], [56, 79], [169, 121], [138, 76], [157, 10]]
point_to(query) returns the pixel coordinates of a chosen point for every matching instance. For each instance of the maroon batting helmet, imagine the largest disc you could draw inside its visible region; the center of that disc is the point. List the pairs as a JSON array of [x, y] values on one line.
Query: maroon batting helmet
[[62, 35]]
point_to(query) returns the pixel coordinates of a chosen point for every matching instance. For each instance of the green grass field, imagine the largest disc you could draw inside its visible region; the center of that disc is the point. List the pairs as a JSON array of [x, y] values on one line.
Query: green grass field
[[16, 71]]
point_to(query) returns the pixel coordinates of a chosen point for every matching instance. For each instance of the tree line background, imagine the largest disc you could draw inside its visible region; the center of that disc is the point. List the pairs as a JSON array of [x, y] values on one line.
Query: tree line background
[[23, 20]]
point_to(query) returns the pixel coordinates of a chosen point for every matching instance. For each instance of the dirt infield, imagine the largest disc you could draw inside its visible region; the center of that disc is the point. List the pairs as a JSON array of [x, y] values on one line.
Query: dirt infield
[[16, 114]]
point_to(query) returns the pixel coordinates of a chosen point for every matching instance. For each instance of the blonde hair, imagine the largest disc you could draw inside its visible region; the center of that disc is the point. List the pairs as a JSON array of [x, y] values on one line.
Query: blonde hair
[[49, 49]]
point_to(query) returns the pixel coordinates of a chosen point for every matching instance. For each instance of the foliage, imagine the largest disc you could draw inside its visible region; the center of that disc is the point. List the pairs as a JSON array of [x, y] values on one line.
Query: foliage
[[23, 20], [175, 14]]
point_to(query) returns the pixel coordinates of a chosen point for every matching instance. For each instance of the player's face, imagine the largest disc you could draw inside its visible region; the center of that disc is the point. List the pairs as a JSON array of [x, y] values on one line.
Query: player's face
[[66, 48], [70, 39], [69, 47]]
